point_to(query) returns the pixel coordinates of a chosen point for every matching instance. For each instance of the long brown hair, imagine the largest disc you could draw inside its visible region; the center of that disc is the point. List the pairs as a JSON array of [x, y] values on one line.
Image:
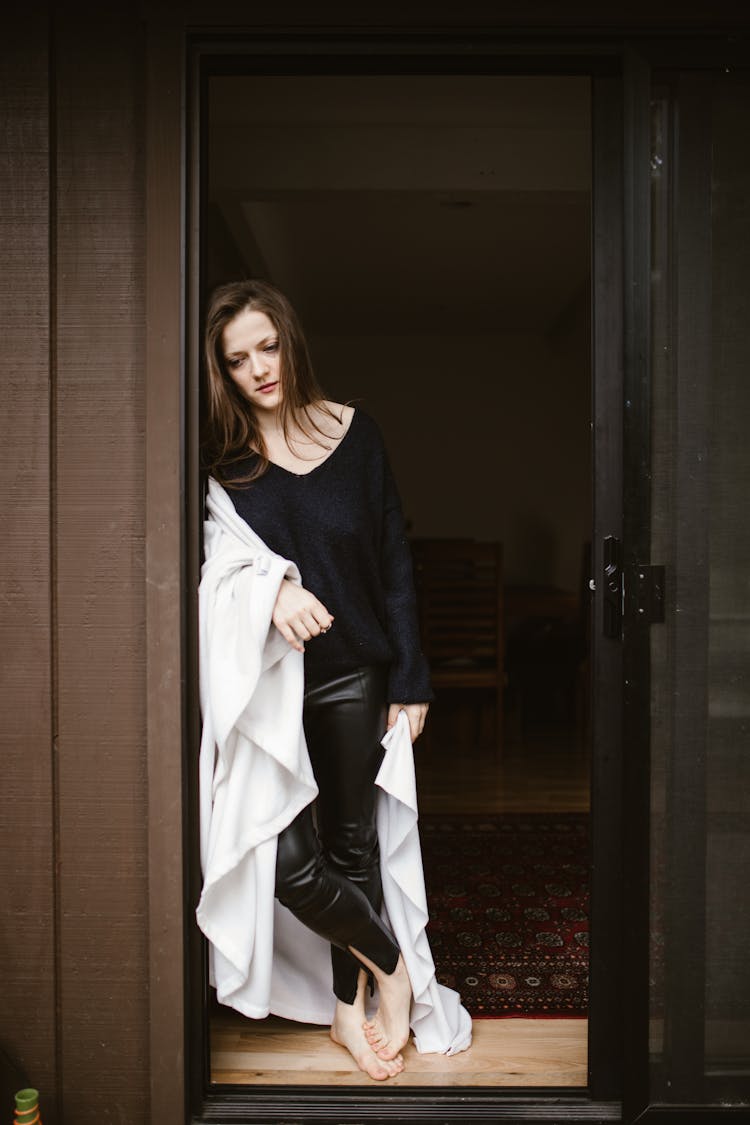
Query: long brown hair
[[231, 431]]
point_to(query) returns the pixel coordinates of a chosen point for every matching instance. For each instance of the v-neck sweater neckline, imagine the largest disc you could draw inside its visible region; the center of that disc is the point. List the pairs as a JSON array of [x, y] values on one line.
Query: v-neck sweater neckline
[[324, 462]]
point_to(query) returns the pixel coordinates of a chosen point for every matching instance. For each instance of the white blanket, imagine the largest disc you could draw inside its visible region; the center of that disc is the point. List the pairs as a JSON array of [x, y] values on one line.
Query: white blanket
[[255, 776]]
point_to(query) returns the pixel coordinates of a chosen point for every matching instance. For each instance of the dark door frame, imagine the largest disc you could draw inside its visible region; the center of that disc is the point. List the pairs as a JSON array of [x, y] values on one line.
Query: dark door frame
[[647, 63], [446, 55], [178, 1051]]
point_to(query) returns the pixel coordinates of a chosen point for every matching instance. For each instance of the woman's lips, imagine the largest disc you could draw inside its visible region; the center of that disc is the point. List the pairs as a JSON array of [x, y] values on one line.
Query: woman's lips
[[266, 387]]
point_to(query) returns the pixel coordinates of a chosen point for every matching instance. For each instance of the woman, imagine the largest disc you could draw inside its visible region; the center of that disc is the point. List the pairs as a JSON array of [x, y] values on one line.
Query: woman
[[311, 479]]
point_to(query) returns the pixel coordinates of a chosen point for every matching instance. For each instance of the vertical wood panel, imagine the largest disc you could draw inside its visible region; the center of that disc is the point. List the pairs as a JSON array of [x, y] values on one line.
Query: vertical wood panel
[[27, 961], [100, 593], [165, 596]]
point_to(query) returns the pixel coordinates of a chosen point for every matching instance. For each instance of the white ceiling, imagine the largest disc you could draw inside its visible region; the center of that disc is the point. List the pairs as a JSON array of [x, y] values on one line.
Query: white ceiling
[[407, 203]]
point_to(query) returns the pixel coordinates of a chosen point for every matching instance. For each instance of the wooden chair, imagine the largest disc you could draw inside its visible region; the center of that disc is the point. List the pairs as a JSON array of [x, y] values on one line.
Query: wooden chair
[[460, 595]]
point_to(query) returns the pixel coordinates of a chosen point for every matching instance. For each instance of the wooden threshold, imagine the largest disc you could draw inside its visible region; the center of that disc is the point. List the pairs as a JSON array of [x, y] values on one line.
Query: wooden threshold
[[505, 1052]]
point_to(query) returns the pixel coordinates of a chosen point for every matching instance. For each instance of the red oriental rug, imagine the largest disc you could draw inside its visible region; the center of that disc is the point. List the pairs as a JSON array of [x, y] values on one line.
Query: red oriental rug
[[508, 899]]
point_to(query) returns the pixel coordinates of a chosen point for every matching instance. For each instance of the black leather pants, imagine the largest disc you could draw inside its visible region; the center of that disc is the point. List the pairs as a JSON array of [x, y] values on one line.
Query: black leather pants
[[330, 878]]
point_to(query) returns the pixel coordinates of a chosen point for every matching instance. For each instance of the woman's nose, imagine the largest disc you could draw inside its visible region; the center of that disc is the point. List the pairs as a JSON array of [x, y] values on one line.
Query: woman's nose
[[258, 365]]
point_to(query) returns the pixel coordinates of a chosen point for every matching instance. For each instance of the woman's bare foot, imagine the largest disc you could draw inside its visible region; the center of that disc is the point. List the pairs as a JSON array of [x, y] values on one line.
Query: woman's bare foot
[[388, 1031], [348, 1031]]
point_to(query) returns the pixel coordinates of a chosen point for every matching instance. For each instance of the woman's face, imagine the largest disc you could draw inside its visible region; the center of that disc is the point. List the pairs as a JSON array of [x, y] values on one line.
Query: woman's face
[[251, 354]]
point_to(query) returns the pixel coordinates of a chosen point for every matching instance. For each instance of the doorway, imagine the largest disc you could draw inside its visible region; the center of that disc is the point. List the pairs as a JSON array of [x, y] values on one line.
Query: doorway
[[434, 234]]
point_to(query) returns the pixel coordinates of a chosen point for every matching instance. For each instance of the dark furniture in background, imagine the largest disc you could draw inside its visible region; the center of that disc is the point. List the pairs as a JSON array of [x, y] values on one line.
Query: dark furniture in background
[[547, 651], [460, 593]]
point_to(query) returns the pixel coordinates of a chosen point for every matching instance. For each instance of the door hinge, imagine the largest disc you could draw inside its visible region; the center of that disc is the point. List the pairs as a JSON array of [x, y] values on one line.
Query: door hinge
[[640, 587], [646, 587]]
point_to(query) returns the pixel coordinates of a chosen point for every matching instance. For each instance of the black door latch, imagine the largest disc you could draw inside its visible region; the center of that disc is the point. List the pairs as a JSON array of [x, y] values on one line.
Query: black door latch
[[612, 587]]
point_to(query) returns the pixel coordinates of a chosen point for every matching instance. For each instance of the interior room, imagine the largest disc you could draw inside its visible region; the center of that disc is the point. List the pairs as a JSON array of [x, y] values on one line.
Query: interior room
[[433, 233]]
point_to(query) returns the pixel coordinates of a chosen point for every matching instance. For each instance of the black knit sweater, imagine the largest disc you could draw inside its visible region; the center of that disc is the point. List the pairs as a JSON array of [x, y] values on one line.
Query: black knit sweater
[[342, 525]]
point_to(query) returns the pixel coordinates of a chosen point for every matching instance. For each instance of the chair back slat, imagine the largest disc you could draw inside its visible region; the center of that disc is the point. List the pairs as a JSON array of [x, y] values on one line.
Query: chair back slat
[[459, 587], [460, 593]]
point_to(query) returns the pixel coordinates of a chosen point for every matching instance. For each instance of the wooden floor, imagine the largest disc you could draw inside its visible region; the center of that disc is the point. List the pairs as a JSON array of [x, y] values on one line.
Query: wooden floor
[[538, 770], [504, 1053], [544, 770]]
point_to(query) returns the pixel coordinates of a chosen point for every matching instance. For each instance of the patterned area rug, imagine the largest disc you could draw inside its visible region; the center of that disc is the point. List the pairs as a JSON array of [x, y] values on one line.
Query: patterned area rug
[[508, 899]]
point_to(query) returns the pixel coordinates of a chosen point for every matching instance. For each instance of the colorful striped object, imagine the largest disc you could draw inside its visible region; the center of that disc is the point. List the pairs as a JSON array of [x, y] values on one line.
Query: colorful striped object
[[27, 1108]]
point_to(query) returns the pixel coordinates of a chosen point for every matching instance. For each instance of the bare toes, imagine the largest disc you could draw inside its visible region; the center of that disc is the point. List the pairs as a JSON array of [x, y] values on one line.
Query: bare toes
[[387, 1054]]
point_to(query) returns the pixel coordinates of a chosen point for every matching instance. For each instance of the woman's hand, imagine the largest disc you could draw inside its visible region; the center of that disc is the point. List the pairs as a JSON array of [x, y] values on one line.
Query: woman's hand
[[416, 713], [298, 615]]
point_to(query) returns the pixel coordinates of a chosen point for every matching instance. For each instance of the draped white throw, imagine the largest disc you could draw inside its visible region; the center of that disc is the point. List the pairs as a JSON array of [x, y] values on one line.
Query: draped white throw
[[255, 776]]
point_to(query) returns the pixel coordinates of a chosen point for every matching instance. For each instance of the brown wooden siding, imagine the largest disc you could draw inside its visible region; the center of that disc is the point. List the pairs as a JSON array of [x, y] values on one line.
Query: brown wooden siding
[[102, 798], [164, 580], [27, 949], [75, 971]]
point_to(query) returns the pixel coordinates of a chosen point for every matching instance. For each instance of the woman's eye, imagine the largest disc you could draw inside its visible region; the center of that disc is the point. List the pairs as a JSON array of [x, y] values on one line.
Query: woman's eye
[[271, 348], [234, 363]]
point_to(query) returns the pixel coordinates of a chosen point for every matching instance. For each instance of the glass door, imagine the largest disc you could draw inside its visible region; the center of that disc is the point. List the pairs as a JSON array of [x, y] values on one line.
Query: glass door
[[687, 592]]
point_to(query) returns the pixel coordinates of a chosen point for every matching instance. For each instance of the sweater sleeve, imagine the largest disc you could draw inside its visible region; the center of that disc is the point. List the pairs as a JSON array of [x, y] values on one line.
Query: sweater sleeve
[[409, 679]]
